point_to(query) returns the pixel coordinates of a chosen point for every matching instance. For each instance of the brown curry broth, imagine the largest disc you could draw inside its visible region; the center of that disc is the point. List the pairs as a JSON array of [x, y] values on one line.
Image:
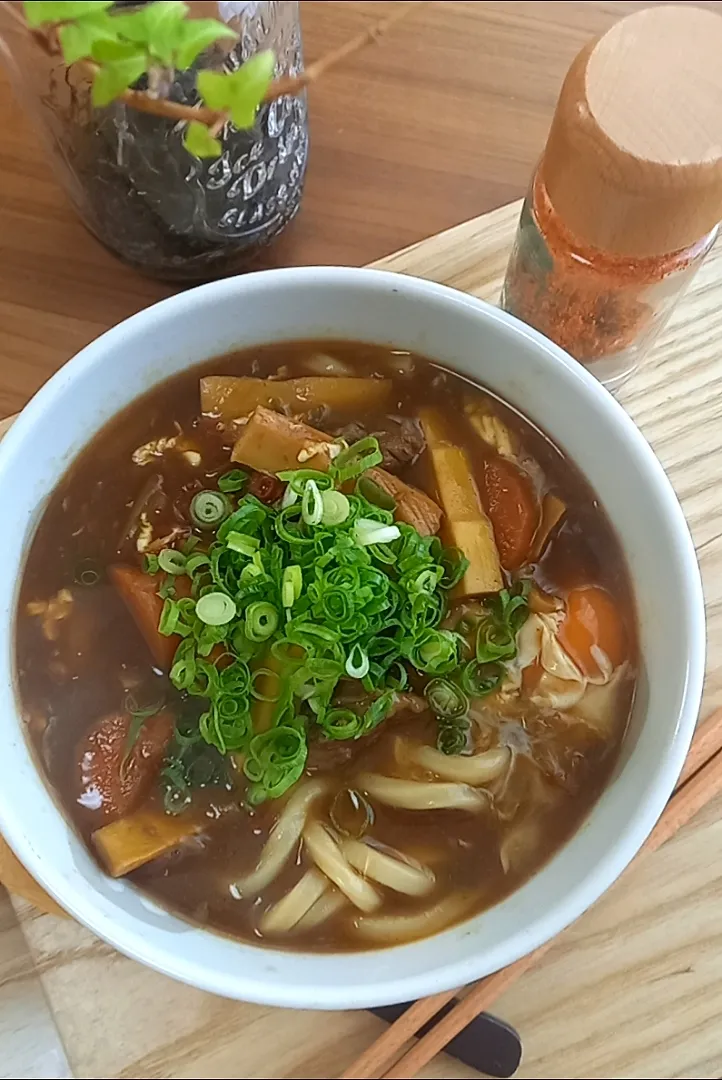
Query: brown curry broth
[[98, 646]]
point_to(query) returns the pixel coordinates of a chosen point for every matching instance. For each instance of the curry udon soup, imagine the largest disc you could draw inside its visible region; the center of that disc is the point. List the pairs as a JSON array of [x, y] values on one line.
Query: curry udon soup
[[329, 652]]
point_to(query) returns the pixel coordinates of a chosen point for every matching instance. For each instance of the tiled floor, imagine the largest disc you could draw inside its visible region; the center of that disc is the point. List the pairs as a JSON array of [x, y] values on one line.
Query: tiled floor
[[29, 1043]]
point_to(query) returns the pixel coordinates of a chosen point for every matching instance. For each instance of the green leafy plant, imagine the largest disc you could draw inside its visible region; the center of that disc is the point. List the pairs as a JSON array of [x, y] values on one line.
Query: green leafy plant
[[130, 56], [120, 48]]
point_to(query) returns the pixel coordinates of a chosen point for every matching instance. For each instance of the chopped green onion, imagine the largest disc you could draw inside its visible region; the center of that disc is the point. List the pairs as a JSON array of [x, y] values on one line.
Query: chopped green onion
[[479, 679], [172, 561], [208, 509], [298, 478], [504, 616], [378, 710], [261, 620], [215, 609], [325, 607], [240, 644], [276, 759], [342, 724], [289, 497], [134, 707], [454, 564], [291, 585], [138, 716], [397, 677], [367, 532], [244, 545], [248, 518], [268, 676], [336, 508], [346, 724], [445, 699], [167, 588], [435, 651], [514, 604], [453, 735], [494, 641], [357, 663], [226, 725], [249, 572], [235, 678], [87, 573], [169, 618], [312, 504], [427, 580], [150, 564], [183, 671], [357, 459], [374, 493], [232, 481], [195, 562]]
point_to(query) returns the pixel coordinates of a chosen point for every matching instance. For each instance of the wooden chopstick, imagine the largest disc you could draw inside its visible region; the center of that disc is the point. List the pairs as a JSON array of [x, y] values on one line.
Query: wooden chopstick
[[699, 781], [371, 1063]]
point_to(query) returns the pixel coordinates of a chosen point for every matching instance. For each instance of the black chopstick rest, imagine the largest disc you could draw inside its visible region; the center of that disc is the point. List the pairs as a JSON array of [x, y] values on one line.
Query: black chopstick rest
[[486, 1044]]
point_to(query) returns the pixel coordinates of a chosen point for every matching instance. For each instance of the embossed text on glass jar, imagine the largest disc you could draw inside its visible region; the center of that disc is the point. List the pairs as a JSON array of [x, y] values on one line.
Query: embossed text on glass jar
[[132, 182]]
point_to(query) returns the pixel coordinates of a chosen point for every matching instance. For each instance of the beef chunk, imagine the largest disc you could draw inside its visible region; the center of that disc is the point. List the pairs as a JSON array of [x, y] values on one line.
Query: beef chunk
[[401, 439]]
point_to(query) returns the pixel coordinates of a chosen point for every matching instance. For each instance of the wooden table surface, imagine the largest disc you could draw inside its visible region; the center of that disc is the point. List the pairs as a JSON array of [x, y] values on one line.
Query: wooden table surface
[[441, 122]]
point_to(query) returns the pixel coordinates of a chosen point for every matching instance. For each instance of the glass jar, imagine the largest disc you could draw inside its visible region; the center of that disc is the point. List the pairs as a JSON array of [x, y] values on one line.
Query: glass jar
[[627, 197], [131, 181], [606, 310]]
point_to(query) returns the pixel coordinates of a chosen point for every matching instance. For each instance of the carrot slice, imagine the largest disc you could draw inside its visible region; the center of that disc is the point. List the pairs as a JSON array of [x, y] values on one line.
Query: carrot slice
[[140, 594], [592, 620], [513, 509], [113, 775]]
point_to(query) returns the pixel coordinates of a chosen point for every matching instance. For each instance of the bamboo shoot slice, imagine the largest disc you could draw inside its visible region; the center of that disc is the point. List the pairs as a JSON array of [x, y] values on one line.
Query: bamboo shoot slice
[[230, 398], [137, 839], [466, 524], [271, 443]]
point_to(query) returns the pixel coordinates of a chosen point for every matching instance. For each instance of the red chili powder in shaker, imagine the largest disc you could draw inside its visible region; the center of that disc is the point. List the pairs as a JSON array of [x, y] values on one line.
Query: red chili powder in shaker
[[588, 301]]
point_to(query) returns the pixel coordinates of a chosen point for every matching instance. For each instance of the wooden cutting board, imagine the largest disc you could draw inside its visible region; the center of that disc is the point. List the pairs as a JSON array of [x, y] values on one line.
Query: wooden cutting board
[[633, 989]]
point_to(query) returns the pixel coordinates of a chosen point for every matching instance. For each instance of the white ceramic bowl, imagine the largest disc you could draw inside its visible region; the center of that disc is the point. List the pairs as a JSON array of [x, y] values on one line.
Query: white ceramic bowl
[[527, 371]]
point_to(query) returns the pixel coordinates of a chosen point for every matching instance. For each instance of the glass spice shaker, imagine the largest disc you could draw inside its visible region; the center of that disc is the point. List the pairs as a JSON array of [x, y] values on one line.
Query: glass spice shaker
[[626, 200]]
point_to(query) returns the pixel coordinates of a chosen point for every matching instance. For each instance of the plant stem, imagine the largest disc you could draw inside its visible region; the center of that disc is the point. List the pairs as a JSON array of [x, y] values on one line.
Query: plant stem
[[171, 110], [294, 84]]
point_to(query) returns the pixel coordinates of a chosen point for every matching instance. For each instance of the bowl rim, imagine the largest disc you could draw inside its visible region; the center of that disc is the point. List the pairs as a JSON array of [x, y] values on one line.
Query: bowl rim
[[82, 901]]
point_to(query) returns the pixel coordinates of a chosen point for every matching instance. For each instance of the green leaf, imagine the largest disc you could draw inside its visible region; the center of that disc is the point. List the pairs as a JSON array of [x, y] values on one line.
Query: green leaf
[[156, 26], [78, 39], [109, 51], [112, 79], [166, 19], [249, 85], [38, 12], [199, 141], [214, 89], [241, 91], [133, 26], [195, 35]]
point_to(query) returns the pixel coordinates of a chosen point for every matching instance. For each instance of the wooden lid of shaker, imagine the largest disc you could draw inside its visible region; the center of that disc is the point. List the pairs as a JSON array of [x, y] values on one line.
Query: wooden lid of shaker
[[633, 163]]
